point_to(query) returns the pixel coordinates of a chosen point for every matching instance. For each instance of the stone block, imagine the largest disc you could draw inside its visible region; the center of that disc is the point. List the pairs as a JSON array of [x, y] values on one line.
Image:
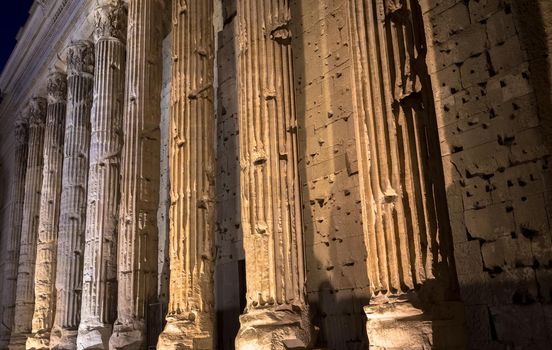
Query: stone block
[[489, 223]]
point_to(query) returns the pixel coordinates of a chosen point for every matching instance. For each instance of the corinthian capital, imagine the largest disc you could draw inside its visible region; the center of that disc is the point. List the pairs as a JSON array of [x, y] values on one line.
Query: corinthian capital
[[57, 87], [80, 58], [111, 21], [21, 129], [37, 111]]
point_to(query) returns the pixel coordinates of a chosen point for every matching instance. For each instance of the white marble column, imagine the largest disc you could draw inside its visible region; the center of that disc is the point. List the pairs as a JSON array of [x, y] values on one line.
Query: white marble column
[[49, 213], [190, 318], [405, 219], [276, 315], [72, 217], [24, 302], [99, 294], [13, 225], [138, 235]]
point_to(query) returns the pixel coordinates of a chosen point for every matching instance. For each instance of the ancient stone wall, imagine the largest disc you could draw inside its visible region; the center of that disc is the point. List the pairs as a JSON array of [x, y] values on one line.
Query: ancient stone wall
[[493, 132], [337, 283]]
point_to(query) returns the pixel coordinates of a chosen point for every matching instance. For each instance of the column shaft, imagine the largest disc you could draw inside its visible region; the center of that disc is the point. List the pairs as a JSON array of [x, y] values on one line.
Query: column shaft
[[13, 225], [190, 318], [72, 217], [406, 225], [98, 309], [49, 213], [24, 302], [137, 260], [276, 315]]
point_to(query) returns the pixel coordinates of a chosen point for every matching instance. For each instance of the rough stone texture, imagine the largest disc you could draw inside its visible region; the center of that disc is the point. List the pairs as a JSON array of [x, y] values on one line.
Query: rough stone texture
[[407, 232], [337, 283], [24, 302], [276, 313], [190, 317], [45, 271], [230, 263], [10, 246], [98, 308], [487, 63], [72, 217], [137, 234]]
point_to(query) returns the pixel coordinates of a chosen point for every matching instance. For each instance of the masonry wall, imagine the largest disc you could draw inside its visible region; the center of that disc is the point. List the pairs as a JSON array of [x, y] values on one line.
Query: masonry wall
[[334, 243], [488, 78]]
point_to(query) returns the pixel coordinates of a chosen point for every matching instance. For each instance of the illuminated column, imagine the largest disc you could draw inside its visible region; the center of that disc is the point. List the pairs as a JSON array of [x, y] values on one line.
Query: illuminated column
[[98, 308], [49, 213], [276, 316], [137, 241], [17, 195], [24, 302], [405, 217], [72, 218], [190, 318]]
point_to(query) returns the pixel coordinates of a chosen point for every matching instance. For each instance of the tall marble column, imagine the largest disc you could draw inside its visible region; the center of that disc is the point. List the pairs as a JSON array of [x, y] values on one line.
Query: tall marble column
[[98, 308], [24, 302], [276, 315], [137, 241], [406, 225], [15, 216], [72, 217], [190, 318], [49, 213]]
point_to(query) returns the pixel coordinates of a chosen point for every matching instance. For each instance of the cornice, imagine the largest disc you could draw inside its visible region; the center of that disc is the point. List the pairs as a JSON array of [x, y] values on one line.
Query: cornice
[[51, 26]]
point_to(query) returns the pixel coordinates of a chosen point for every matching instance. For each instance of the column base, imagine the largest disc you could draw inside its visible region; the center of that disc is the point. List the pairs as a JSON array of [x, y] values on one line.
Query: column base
[[93, 336], [401, 325], [18, 341], [128, 335], [191, 332], [279, 328], [38, 341], [63, 339]]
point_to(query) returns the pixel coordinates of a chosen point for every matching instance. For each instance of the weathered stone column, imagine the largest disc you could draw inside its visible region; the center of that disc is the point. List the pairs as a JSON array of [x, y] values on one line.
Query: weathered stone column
[[137, 260], [98, 309], [276, 316], [190, 318], [49, 213], [414, 302], [72, 217], [15, 216], [24, 302]]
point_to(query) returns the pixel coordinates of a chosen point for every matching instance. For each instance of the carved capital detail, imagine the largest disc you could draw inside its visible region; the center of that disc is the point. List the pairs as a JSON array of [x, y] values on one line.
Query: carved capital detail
[[80, 58], [21, 129], [57, 87], [37, 111], [111, 21]]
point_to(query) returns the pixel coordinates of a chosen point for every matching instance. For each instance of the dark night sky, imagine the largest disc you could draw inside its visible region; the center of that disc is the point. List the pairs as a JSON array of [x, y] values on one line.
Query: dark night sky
[[13, 14]]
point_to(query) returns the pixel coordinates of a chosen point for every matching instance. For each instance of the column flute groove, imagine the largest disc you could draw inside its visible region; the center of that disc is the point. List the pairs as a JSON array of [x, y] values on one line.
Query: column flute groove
[[276, 315], [138, 236], [405, 218], [49, 213], [98, 308], [24, 302], [14, 222], [190, 318], [72, 217]]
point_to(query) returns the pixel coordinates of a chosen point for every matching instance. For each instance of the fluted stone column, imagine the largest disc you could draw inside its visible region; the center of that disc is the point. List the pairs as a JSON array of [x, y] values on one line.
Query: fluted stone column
[[190, 318], [276, 315], [15, 216], [49, 213], [137, 260], [406, 225], [72, 217], [24, 302], [98, 309]]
